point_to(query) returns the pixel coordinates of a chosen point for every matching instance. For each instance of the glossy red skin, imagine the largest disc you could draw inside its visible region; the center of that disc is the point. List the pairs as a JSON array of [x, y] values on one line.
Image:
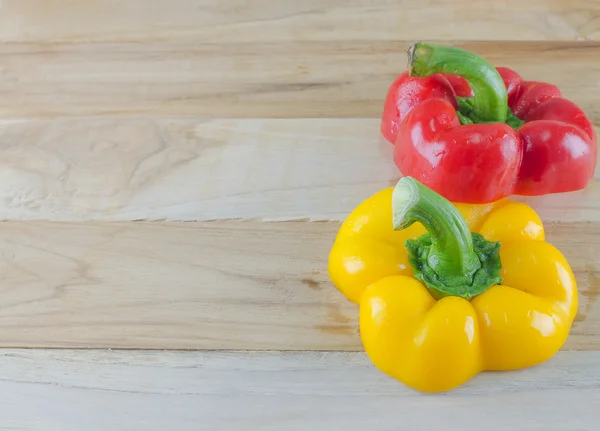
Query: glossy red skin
[[406, 92], [473, 163], [558, 153], [554, 151]]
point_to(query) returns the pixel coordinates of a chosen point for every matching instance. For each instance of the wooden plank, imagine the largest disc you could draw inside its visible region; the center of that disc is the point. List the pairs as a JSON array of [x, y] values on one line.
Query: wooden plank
[[250, 80], [273, 20], [282, 169], [219, 285], [90, 169], [65, 390]]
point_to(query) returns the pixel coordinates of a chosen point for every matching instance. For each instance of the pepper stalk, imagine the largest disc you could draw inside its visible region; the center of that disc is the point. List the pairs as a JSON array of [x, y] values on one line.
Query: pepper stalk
[[490, 101], [449, 259]]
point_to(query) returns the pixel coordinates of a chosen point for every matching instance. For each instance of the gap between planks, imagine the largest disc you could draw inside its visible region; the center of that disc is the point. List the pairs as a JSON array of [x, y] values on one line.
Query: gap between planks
[[63, 390], [197, 170], [221, 285]]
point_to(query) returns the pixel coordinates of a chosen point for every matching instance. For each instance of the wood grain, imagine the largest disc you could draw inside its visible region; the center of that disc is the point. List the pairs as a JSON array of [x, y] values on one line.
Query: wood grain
[[89, 169], [189, 111], [249, 80], [175, 169], [65, 390], [276, 20], [219, 285]]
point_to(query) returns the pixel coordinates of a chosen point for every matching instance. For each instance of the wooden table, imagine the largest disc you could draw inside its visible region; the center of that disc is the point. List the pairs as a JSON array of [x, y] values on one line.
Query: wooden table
[[172, 176]]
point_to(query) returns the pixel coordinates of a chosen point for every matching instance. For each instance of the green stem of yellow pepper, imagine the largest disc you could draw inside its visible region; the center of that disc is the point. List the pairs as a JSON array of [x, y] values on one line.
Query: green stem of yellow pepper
[[449, 259]]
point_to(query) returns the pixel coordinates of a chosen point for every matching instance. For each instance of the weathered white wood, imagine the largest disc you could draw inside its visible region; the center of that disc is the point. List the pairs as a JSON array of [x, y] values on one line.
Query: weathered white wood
[[276, 20], [279, 169], [127, 391], [189, 170], [241, 285], [220, 285]]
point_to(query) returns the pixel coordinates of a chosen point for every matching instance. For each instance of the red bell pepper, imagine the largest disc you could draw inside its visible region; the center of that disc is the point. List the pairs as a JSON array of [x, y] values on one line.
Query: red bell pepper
[[476, 134]]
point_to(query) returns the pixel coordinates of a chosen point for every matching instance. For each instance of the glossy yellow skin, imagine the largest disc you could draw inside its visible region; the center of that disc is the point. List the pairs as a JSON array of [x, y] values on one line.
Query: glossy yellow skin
[[434, 345]]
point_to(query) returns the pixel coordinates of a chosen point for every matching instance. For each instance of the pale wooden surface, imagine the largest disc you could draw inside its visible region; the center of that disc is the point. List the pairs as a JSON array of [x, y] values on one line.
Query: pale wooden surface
[[221, 285], [132, 132], [189, 391], [306, 79], [198, 170], [276, 21]]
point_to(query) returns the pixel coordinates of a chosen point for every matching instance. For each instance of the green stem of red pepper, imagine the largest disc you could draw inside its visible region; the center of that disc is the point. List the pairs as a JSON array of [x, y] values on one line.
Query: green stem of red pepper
[[449, 259], [490, 101]]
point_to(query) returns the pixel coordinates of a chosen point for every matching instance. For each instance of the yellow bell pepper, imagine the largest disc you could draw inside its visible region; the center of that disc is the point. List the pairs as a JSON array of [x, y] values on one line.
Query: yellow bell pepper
[[447, 291]]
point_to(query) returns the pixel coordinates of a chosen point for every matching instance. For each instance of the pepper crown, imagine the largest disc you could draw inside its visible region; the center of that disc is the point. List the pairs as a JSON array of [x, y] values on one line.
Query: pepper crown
[[449, 259], [490, 101]]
